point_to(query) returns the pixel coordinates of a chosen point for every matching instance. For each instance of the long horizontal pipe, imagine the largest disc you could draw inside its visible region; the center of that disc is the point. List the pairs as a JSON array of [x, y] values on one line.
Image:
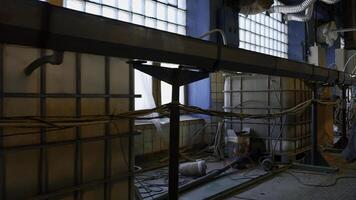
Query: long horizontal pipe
[[39, 24]]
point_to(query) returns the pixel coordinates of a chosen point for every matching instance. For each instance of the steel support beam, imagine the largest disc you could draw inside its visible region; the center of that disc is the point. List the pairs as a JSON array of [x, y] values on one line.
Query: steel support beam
[[39, 24], [343, 141], [173, 183], [176, 78], [314, 149]]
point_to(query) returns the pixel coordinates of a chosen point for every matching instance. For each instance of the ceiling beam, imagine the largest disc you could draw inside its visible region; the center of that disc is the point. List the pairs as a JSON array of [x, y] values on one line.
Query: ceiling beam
[[42, 25]]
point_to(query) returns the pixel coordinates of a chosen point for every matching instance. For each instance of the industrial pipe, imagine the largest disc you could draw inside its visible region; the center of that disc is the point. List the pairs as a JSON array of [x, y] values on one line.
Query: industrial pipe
[[221, 32], [297, 8], [55, 59], [301, 18], [330, 1], [292, 9]]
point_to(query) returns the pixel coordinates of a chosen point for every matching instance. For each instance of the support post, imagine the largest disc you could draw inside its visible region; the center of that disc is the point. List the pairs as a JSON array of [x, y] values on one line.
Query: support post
[[315, 161], [342, 142], [314, 150], [344, 115], [174, 141], [176, 78]]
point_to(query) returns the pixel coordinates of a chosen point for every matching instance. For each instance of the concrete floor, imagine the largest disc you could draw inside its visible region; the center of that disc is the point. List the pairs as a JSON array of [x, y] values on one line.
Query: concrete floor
[[285, 187]]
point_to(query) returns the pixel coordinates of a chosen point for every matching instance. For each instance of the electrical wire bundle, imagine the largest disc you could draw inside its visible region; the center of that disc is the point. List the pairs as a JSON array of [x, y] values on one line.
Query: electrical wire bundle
[[54, 123], [61, 122], [333, 183], [151, 185], [291, 111]]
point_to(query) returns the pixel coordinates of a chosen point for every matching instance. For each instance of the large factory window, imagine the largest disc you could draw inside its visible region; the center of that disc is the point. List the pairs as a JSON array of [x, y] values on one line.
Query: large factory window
[[264, 34], [166, 15]]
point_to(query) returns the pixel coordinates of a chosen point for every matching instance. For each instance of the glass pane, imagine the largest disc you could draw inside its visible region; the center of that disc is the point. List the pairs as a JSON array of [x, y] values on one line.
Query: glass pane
[[150, 8], [172, 14], [242, 35], [161, 25], [172, 28], [124, 4], [181, 30], [181, 17], [143, 86], [173, 2], [137, 6], [93, 8], [124, 16], [75, 4], [182, 4], [170, 65], [242, 22], [161, 11], [110, 2], [150, 22], [166, 93], [110, 12], [138, 19]]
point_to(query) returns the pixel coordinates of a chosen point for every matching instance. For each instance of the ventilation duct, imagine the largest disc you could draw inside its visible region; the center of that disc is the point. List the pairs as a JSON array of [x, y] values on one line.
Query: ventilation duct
[[292, 9], [330, 1], [301, 18], [327, 33], [298, 8], [250, 7]]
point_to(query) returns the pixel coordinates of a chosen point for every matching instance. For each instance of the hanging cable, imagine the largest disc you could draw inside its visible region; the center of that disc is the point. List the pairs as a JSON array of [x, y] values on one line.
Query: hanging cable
[[347, 63], [56, 123], [221, 33]]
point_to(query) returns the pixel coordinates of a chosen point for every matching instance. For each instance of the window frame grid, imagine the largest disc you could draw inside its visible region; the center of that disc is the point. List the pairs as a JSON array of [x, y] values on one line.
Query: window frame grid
[[132, 13], [266, 38], [155, 20]]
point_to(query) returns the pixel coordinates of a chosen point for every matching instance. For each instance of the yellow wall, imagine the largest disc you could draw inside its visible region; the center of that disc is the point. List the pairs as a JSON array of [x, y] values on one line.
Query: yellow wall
[[54, 167]]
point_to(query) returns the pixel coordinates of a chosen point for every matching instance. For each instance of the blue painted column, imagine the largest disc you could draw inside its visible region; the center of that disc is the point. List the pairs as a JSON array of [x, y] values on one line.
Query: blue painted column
[[198, 23], [296, 41]]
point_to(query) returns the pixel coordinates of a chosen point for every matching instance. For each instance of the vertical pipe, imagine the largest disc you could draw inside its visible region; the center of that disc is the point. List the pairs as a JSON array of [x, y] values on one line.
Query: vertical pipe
[[2, 156], [269, 112], [78, 154], [295, 117], [241, 102], [107, 143], [131, 137], [344, 122], [43, 152], [314, 150], [174, 141], [231, 100]]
